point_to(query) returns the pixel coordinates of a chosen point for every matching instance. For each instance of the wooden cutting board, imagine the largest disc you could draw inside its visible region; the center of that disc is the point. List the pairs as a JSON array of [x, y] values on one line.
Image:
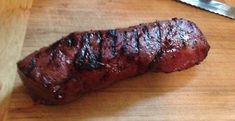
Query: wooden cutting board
[[203, 93]]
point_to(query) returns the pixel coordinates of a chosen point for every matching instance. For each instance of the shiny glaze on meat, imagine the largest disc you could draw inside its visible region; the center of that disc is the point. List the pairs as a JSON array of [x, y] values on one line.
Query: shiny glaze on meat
[[86, 61]]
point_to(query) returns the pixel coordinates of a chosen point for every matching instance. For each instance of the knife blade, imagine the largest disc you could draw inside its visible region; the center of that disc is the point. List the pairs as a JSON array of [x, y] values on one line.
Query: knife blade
[[212, 6]]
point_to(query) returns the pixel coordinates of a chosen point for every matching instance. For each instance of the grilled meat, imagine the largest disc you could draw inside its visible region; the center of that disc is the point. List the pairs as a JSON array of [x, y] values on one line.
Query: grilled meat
[[86, 61]]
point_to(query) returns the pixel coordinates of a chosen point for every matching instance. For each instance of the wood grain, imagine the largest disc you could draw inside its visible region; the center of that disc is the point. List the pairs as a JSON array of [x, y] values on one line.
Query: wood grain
[[203, 93], [13, 21]]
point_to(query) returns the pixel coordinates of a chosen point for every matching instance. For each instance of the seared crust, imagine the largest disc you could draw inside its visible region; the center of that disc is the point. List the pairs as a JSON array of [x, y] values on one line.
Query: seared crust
[[85, 61]]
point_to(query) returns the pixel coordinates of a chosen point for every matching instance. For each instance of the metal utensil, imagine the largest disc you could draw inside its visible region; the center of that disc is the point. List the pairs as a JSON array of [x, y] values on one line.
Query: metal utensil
[[213, 6]]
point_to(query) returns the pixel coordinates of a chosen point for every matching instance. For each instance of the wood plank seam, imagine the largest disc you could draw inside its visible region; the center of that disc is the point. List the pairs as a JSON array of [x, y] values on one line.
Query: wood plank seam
[[14, 16]]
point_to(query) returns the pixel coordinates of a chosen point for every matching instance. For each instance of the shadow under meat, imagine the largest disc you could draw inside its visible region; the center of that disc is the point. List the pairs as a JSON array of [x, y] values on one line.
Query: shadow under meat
[[104, 102]]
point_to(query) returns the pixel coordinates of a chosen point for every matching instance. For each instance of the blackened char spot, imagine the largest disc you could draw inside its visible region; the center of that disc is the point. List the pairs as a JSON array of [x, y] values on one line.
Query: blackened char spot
[[184, 44], [159, 53], [112, 34], [70, 40], [174, 19], [85, 58], [30, 66]]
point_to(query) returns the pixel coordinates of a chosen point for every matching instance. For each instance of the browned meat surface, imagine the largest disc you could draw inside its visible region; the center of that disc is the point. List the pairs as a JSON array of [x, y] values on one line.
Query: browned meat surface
[[85, 61]]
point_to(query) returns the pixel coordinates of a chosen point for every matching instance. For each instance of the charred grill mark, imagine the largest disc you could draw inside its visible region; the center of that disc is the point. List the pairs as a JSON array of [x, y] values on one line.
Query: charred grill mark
[[159, 31], [92, 58], [146, 32], [159, 52], [75, 79], [86, 40], [146, 35], [112, 34], [30, 66], [80, 60], [95, 60], [169, 34], [181, 33], [166, 43], [99, 41], [85, 59], [124, 48], [137, 43], [70, 40]]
